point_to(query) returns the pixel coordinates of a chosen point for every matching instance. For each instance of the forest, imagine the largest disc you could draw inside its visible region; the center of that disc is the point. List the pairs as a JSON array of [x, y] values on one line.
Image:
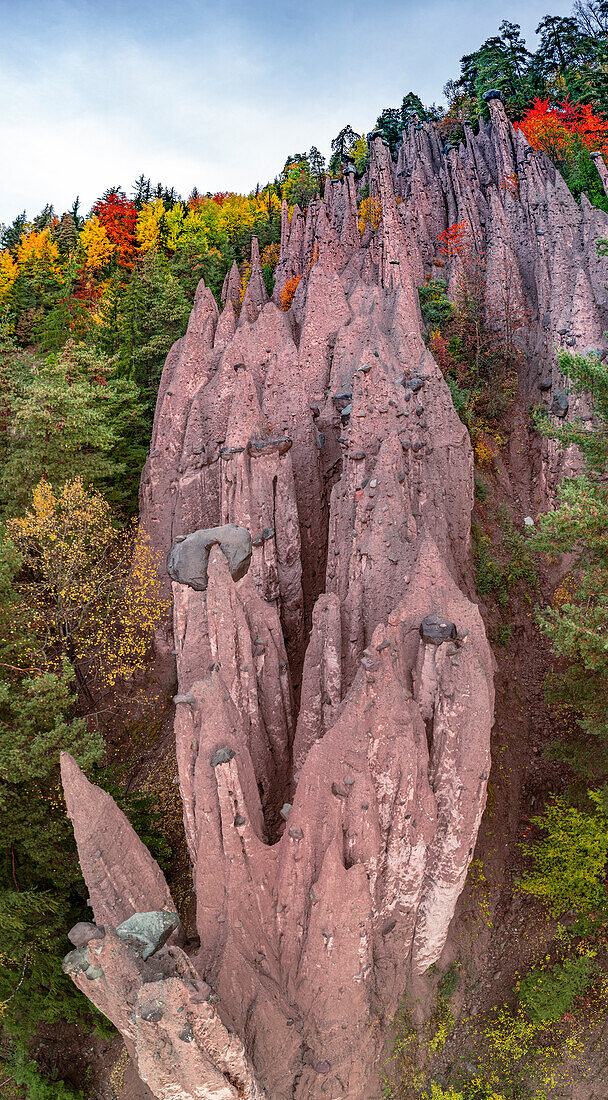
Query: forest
[[91, 303]]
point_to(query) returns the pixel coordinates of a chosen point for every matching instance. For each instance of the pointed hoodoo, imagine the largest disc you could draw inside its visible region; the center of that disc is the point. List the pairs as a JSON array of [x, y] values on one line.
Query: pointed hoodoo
[[256, 295], [232, 288], [121, 876], [600, 164]]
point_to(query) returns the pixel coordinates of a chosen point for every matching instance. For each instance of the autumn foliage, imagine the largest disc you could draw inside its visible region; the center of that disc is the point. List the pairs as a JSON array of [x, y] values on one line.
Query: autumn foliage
[[91, 590], [370, 214], [455, 240], [118, 216], [552, 129], [288, 292]]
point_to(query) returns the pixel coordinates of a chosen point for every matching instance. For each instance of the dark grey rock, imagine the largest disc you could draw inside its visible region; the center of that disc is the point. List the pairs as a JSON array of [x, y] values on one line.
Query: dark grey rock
[[494, 93], [434, 630], [76, 962], [148, 932], [545, 384], [83, 932], [560, 404], [187, 559], [222, 756]]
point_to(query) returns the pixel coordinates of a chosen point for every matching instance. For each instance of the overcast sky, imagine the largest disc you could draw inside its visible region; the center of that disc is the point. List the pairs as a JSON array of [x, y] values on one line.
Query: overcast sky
[[213, 94]]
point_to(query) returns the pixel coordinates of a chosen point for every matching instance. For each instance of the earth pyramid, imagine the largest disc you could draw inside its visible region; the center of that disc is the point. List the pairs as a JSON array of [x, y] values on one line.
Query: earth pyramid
[[335, 682]]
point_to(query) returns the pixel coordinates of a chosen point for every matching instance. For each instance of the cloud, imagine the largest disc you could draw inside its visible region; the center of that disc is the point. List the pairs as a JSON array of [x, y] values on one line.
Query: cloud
[[213, 95]]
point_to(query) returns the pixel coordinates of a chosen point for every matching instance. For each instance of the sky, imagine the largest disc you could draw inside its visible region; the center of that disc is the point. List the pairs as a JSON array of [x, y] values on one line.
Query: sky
[[212, 94]]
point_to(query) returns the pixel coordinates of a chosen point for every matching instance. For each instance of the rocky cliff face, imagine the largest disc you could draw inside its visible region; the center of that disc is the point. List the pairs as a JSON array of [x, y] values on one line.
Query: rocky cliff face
[[335, 702]]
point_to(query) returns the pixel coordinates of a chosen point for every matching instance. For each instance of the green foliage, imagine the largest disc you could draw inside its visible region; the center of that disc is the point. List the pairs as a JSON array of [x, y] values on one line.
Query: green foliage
[[68, 414], [471, 339], [546, 993], [437, 308], [570, 859], [502, 562], [300, 182], [581, 175], [577, 621], [40, 884], [479, 486], [342, 149], [152, 314], [501, 63], [571, 60], [140, 809], [502, 634], [33, 988], [194, 260], [23, 1072], [38, 865], [393, 120], [449, 981]]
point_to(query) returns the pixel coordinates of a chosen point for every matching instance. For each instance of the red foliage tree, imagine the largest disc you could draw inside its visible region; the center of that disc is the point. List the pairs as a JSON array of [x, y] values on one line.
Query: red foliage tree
[[118, 216], [553, 129], [455, 240]]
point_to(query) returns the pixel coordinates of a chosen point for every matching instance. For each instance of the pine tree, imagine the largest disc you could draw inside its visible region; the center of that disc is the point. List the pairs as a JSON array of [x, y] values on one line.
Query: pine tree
[[153, 314], [69, 415], [576, 622]]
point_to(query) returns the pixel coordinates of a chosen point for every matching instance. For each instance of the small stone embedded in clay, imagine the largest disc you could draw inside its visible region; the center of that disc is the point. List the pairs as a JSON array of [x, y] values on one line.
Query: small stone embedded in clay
[[222, 756], [560, 404], [184, 700]]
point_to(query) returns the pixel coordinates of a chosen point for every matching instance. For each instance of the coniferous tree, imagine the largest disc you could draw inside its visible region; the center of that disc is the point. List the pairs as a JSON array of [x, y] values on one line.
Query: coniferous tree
[[577, 620]]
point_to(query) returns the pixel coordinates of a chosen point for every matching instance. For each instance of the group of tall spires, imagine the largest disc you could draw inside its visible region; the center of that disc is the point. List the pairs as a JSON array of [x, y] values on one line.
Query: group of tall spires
[[335, 700]]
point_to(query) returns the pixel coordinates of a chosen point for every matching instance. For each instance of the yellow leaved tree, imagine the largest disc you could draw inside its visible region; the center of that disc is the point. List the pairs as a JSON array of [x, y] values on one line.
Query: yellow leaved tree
[[98, 247], [8, 274], [37, 250], [91, 590], [150, 224], [370, 214]]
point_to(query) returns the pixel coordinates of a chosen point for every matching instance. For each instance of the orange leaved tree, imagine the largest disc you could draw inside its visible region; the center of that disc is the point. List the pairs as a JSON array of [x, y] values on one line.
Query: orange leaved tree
[[288, 292], [568, 133]]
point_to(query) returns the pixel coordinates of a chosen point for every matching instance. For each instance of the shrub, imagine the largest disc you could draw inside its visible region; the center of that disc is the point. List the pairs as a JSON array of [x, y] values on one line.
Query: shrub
[[434, 303], [502, 564], [435, 1092], [546, 994], [570, 859], [577, 622]]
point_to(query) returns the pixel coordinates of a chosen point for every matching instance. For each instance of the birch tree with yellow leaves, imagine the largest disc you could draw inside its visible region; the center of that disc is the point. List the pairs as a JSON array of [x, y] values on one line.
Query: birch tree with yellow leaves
[[90, 590]]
